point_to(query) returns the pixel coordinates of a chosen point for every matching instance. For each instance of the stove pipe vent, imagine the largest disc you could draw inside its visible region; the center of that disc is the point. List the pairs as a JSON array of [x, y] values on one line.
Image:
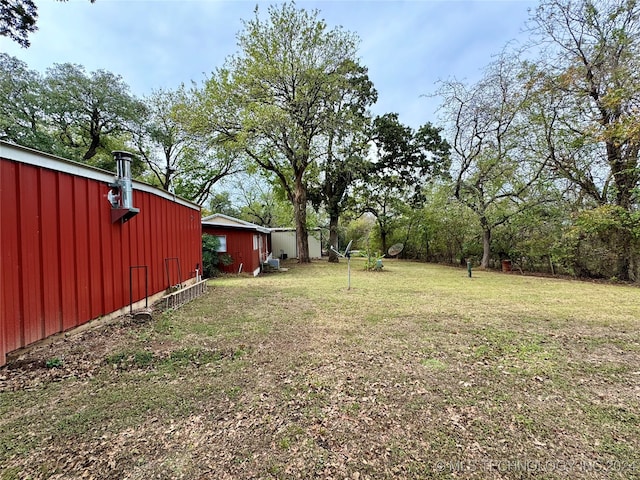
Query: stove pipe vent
[[121, 194]]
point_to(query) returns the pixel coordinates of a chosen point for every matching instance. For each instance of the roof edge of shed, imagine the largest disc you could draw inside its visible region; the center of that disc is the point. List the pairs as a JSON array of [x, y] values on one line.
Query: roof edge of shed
[[19, 153]]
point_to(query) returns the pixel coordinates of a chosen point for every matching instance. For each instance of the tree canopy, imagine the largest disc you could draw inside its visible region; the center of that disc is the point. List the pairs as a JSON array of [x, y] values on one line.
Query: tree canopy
[[272, 101]]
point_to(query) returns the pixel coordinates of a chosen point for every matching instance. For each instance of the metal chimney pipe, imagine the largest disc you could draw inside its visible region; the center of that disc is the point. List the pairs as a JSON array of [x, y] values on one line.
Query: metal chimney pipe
[[123, 166]]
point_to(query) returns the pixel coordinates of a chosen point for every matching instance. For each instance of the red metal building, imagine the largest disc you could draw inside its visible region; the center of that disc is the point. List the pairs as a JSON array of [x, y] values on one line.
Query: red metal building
[[246, 243], [67, 259]]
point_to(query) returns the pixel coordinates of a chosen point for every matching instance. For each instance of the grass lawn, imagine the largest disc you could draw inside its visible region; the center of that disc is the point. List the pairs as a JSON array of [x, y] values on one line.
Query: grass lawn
[[416, 372]]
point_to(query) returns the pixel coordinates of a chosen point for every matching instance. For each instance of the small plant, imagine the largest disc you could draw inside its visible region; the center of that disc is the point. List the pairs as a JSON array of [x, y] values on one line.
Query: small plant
[[143, 358], [53, 363], [374, 262], [116, 358]]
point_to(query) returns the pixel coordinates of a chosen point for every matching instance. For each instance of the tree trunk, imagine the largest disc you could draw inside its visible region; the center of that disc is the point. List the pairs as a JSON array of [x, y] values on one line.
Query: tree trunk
[[383, 239], [486, 243], [624, 170], [300, 214], [93, 148], [94, 132], [333, 236], [625, 265]]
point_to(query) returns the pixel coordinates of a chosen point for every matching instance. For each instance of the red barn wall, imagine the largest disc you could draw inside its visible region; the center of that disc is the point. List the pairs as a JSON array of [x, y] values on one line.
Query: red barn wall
[[64, 263], [240, 247]]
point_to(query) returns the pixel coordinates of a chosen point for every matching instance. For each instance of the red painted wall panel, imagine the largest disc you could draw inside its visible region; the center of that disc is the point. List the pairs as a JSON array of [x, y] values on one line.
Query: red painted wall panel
[[52, 313], [96, 287], [80, 237], [10, 331], [106, 258], [239, 246], [30, 261], [64, 262]]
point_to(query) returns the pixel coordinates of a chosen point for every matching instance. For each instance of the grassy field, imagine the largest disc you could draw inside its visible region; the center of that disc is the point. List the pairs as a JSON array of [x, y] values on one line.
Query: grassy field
[[416, 372]]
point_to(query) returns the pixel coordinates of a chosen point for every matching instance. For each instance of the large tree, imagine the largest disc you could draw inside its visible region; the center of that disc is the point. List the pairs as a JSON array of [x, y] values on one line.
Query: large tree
[[271, 100], [493, 175], [67, 112], [22, 99], [401, 164], [86, 109], [591, 63], [187, 164], [346, 148]]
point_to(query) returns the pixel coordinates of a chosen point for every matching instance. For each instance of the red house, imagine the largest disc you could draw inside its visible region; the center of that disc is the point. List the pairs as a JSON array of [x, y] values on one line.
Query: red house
[[78, 243], [246, 243]]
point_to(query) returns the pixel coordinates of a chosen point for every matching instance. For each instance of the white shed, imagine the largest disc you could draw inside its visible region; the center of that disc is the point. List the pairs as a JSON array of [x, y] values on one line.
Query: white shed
[[283, 243]]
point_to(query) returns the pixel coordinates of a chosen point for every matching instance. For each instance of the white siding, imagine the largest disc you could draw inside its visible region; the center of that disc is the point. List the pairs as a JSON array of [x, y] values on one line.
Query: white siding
[[315, 248], [285, 242]]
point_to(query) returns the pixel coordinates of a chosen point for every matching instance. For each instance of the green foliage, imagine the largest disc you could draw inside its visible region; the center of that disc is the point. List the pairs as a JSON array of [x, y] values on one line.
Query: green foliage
[[260, 203], [220, 202], [54, 363], [189, 165], [373, 262], [592, 84], [496, 175], [212, 259], [359, 231], [594, 243], [85, 109], [66, 112], [588, 115], [18, 20], [22, 113], [447, 231], [404, 162]]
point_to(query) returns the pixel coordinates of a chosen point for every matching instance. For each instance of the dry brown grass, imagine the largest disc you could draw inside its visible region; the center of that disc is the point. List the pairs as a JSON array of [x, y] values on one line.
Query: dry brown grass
[[416, 372]]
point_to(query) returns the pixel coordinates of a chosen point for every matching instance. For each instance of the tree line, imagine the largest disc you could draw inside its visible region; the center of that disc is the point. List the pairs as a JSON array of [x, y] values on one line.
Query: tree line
[[536, 162]]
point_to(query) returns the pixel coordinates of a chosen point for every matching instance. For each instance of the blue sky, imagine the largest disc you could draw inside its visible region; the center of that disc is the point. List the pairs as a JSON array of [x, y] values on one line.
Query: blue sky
[[407, 45]]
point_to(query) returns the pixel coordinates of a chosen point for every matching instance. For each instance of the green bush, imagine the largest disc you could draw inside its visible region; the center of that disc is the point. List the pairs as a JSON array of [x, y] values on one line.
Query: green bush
[[211, 258], [596, 242]]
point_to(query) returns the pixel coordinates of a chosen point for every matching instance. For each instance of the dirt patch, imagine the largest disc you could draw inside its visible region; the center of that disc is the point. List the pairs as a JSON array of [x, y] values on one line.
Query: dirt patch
[[72, 355]]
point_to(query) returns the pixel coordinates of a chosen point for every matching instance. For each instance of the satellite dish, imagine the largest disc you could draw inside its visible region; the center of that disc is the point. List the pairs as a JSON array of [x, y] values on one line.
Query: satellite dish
[[395, 249]]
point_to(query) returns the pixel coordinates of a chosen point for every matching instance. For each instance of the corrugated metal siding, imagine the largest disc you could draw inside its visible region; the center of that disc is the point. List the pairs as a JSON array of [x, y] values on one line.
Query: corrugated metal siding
[[63, 261]]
